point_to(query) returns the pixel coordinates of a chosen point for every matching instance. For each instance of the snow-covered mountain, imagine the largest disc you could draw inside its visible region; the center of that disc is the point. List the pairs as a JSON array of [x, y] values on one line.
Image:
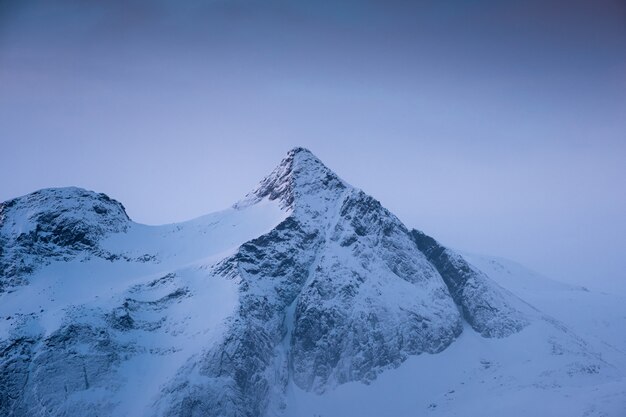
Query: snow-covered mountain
[[306, 298]]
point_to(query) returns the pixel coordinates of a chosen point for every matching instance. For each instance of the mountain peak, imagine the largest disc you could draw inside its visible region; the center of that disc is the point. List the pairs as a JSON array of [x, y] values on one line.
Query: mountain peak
[[53, 224], [300, 149], [303, 158], [67, 202], [299, 175]]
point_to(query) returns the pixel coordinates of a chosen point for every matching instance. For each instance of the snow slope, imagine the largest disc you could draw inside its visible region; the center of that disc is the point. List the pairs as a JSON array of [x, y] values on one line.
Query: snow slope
[[599, 317], [571, 363], [128, 319], [306, 298]]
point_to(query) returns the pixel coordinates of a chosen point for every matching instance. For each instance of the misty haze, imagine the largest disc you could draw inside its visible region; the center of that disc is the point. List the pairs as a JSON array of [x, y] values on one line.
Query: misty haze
[[301, 209]]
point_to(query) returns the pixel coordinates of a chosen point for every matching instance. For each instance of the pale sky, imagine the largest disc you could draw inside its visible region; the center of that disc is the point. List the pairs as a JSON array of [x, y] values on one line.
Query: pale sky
[[497, 127]]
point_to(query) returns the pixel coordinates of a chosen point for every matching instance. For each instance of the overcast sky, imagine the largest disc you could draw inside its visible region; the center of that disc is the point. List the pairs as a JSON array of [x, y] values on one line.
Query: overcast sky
[[498, 127]]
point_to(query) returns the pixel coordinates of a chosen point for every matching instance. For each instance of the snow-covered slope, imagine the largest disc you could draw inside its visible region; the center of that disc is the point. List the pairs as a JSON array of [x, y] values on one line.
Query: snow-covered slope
[[90, 321], [307, 297], [599, 317], [569, 361]]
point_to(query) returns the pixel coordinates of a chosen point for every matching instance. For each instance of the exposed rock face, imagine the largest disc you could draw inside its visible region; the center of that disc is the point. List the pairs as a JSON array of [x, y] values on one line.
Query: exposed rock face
[[339, 290], [42, 376], [53, 224], [483, 303], [246, 372], [371, 300], [16, 356]]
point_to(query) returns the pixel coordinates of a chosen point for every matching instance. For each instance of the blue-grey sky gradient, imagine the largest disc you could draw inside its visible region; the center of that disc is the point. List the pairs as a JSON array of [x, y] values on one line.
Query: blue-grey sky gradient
[[498, 127]]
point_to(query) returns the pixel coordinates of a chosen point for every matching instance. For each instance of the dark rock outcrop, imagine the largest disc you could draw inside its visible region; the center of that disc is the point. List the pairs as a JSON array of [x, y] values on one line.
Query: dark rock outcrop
[[483, 303]]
